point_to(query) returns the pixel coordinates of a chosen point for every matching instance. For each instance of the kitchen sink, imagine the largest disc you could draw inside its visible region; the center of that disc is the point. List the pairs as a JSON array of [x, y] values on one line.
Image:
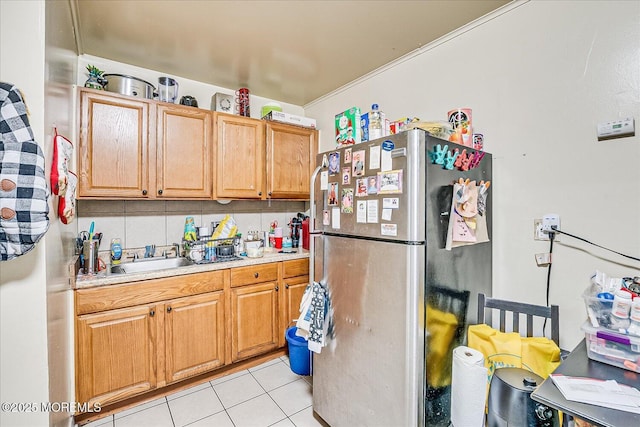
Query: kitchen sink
[[153, 264]]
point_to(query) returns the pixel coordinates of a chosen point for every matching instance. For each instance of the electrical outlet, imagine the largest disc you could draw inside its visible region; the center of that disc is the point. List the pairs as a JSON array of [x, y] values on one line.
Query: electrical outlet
[[551, 222], [538, 233], [543, 260]]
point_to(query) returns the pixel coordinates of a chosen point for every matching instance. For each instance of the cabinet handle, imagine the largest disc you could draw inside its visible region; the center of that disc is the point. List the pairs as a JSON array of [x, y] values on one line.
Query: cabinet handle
[[256, 275], [277, 288], [144, 192], [269, 193], [286, 286], [260, 193], [152, 313], [160, 191], [169, 309]]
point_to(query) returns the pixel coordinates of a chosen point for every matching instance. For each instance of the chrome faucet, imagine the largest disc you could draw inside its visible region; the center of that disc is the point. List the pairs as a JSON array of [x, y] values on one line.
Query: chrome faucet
[[176, 248]]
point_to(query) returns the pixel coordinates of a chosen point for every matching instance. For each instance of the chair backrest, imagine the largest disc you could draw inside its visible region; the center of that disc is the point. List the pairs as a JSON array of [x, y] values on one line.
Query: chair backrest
[[517, 308]]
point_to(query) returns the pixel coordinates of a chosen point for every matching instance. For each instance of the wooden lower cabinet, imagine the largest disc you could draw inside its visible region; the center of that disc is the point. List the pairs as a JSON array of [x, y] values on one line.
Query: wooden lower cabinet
[[135, 337], [254, 320], [116, 354], [295, 278], [194, 335]]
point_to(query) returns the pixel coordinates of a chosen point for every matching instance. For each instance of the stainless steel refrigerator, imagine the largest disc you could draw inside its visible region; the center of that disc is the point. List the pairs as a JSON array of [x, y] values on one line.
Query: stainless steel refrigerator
[[381, 254]]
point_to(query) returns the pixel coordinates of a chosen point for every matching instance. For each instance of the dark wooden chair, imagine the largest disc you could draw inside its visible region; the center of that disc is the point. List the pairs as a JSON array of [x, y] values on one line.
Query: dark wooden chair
[[516, 308]]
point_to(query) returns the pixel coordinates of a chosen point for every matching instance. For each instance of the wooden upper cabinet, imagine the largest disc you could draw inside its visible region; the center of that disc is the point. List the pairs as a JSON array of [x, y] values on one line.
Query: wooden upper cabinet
[[183, 152], [291, 154], [239, 157], [134, 148], [114, 148]]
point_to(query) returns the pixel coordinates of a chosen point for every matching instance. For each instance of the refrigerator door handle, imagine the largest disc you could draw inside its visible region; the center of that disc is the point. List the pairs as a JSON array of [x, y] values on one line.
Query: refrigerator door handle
[[312, 222]]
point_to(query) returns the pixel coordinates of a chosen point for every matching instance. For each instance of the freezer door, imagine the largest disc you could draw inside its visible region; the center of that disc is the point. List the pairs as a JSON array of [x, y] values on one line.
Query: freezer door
[[372, 372], [374, 189]]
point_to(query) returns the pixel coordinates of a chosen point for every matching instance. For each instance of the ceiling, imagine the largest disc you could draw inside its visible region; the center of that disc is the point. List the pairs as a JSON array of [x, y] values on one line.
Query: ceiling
[[293, 51]]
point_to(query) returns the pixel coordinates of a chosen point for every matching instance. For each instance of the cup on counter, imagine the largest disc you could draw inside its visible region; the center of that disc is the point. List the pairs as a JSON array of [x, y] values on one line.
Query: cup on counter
[[277, 242]]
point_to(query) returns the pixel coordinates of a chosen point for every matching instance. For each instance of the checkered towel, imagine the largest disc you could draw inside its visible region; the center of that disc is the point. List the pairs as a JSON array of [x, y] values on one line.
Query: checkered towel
[[23, 187]]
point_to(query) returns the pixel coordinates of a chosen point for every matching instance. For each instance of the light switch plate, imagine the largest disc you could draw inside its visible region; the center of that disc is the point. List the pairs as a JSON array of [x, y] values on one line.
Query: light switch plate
[[222, 102]]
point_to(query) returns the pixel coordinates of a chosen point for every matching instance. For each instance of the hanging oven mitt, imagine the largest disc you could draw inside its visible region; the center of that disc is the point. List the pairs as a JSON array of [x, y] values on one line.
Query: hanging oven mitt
[[23, 187], [67, 203], [62, 151]]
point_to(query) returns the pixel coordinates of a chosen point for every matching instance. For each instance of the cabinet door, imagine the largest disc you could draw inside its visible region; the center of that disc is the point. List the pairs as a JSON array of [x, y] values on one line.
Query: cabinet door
[[239, 157], [114, 155], [194, 335], [116, 354], [183, 152], [294, 288], [291, 154], [254, 320]]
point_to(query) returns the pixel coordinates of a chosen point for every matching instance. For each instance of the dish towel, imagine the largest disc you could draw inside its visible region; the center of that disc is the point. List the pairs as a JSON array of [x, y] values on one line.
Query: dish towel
[[316, 321]]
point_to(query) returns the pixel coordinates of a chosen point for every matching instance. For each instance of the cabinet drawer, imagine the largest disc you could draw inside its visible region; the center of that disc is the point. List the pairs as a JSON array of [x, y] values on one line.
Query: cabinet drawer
[[129, 294], [296, 267], [254, 274]]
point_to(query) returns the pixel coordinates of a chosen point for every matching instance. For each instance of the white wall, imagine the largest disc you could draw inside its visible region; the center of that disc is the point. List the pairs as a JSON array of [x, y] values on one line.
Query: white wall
[[23, 311], [539, 76], [202, 91]]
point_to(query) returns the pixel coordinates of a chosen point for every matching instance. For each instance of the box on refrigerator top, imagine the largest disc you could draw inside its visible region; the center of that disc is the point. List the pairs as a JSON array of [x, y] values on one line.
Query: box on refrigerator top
[[279, 116], [364, 126], [348, 130]]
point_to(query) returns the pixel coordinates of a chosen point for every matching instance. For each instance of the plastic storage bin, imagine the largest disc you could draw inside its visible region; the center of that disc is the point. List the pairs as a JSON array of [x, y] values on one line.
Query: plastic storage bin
[[299, 353], [606, 346]]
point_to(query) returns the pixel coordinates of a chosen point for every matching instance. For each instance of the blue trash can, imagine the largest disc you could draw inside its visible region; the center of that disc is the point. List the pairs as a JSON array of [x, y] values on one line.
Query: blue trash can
[[299, 354]]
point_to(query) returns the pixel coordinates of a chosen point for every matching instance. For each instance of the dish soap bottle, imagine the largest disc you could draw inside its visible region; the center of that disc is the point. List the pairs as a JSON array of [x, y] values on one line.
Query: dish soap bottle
[[116, 251]]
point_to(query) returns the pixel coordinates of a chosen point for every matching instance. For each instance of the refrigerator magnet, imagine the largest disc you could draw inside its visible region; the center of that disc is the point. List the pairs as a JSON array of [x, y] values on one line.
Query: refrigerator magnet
[[390, 203], [389, 229], [361, 187], [326, 218], [361, 211], [324, 180], [347, 156], [334, 163], [346, 176], [372, 211], [374, 157], [335, 218], [372, 184], [347, 200], [390, 182], [332, 200], [358, 163]]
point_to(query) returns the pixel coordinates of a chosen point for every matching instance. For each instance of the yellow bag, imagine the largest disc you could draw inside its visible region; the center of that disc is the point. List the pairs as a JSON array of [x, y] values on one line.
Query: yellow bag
[[441, 328], [508, 349]]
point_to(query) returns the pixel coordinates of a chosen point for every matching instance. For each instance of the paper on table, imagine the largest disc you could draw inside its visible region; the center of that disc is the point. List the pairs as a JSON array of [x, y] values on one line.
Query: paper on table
[[608, 394]]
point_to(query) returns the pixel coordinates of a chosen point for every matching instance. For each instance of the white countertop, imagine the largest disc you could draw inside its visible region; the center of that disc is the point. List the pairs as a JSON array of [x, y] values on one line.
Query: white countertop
[[105, 277]]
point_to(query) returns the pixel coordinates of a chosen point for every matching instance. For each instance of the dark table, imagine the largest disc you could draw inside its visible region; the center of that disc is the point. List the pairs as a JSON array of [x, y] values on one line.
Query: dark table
[[578, 364]]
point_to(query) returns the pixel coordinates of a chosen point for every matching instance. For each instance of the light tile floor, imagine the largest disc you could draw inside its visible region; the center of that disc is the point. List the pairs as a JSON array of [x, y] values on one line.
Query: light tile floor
[[269, 394]]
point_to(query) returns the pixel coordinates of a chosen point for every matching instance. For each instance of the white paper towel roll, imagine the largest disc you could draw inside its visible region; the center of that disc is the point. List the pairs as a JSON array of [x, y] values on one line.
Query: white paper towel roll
[[468, 387]]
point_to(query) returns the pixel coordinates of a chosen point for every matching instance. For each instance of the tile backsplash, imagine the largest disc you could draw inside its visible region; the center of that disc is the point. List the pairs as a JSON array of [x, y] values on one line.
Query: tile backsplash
[[147, 222]]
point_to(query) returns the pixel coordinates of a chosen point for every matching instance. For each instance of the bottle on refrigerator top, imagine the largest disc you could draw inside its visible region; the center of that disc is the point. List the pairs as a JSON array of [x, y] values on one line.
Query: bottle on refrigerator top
[[375, 123]]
